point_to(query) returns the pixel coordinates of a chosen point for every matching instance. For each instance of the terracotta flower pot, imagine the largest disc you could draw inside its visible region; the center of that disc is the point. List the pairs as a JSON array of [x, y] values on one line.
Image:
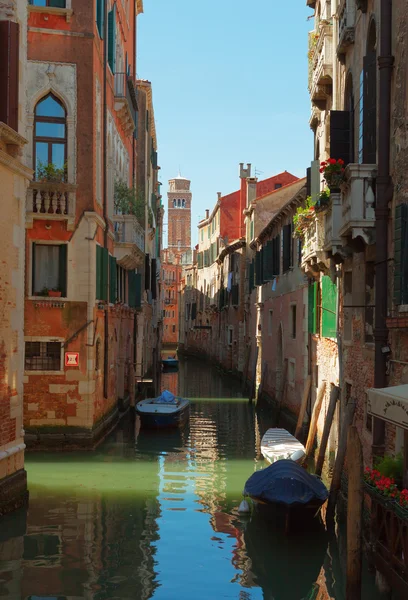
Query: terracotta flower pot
[[54, 293]]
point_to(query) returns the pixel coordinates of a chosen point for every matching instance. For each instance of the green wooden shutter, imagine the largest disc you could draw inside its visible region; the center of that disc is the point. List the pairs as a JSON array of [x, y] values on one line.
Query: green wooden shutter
[[401, 255], [258, 268], [267, 262], [131, 277], [312, 308], [251, 276], [138, 290], [112, 39], [104, 274], [112, 280], [58, 3], [98, 272], [62, 274], [276, 256], [329, 305], [100, 15]]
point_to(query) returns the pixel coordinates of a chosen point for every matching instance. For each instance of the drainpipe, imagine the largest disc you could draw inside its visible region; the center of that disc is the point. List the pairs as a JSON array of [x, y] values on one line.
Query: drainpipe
[[105, 194], [384, 195]]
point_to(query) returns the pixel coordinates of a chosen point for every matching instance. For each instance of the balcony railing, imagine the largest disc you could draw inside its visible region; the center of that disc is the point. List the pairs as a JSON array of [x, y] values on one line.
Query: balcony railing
[[125, 101], [358, 198], [389, 540], [320, 63], [313, 240], [332, 224], [347, 16], [51, 200], [129, 231]]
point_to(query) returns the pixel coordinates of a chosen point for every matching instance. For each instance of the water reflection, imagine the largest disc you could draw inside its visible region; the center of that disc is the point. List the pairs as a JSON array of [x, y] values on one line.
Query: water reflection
[[154, 515]]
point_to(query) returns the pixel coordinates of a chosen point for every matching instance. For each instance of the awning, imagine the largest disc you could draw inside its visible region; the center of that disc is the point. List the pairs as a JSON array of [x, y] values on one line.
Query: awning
[[389, 404]]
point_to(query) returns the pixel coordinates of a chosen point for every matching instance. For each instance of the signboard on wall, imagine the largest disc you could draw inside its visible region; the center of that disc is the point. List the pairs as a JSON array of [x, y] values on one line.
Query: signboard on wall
[[72, 359]]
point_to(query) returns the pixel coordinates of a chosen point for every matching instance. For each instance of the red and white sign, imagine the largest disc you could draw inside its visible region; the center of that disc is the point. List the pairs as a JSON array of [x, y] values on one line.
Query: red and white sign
[[72, 359]]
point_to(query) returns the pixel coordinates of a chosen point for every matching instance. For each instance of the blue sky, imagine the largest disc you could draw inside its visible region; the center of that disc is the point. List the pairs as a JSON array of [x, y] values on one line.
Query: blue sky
[[229, 84]]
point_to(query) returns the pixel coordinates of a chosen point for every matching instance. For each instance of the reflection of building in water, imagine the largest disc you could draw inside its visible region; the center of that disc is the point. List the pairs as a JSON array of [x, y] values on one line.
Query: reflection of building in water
[[11, 555], [90, 547]]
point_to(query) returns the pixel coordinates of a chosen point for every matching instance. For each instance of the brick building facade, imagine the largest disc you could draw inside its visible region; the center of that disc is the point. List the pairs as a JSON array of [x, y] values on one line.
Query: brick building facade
[[92, 222], [15, 177]]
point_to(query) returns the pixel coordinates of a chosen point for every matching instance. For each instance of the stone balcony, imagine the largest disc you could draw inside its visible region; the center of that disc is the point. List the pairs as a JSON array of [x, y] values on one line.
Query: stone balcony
[[129, 241], [332, 223], [125, 101], [321, 66], [357, 202], [313, 242], [52, 201], [346, 13]]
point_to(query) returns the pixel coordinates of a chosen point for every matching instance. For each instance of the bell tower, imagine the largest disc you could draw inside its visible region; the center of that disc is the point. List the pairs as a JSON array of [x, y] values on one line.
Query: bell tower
[[179, 215]]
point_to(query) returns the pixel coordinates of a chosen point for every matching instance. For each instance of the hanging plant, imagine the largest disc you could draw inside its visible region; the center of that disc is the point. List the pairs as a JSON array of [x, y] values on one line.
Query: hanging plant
[[303, 217], [333, 172]]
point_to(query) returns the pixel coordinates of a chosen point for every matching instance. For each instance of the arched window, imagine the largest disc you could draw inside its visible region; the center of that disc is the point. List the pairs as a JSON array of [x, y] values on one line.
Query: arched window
[[50, 134], [179, 203], [183, 204], [174, 203]]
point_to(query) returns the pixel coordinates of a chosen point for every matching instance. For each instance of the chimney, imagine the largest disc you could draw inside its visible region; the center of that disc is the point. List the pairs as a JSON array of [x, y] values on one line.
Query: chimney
[[207, 213], [244, 173], [251, 189]]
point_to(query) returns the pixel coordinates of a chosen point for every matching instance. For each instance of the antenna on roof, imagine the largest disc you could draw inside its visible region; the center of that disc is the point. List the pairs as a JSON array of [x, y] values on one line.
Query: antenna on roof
[[257, 172]]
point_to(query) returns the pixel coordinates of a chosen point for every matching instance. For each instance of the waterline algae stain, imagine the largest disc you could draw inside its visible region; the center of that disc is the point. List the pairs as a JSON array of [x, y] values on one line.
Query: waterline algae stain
[[155, 515]]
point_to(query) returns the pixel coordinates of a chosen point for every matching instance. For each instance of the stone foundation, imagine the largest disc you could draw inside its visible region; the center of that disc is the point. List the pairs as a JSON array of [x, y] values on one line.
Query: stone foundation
[[73, 438], [13, 492]]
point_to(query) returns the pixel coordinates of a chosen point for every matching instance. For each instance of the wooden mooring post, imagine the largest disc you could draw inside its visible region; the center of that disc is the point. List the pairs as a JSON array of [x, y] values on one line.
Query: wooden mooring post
[[354, 515], [303, 406], [315, 417], [334, 395], [338, 465]]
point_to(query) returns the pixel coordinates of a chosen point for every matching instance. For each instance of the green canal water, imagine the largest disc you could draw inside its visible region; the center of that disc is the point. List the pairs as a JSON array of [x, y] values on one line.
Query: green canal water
[[154, 515]]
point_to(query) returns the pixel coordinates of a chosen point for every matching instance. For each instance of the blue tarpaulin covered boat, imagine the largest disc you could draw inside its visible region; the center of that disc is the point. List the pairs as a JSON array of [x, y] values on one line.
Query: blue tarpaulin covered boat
[[286, 485], [165, 411]]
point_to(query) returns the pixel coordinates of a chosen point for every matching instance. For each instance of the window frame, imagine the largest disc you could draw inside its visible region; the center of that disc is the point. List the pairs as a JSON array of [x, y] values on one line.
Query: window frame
[[45, 340], [35, 243], [48, 5], [50, 140]]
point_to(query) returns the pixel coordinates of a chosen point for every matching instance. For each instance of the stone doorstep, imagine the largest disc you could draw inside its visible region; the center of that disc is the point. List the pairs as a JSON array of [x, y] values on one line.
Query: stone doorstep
[[13, 492]]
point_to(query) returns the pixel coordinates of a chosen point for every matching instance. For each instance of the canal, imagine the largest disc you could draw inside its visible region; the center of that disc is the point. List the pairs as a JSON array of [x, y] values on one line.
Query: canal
[[154, 515]]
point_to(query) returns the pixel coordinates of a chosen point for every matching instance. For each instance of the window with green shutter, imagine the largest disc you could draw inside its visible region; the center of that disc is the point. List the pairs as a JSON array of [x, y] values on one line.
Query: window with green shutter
[[287, 248], [102, 258], [138, 290], [112, 39], [329, 306], [259, 267], [251, 276], [100, 14], [267, 262], [276, 252], [113, 291], [312, 308], [401, 255]]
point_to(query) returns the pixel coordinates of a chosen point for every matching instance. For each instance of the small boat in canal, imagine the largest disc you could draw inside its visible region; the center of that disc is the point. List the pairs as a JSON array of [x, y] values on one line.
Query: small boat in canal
[[278, 444], [286, 490], [165, 411], [170, 363]]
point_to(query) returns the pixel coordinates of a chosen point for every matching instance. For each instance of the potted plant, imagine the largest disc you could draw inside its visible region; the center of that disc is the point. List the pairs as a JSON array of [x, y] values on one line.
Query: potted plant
[[50, 172], [43, 292], [55, 293], [333, 172]]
